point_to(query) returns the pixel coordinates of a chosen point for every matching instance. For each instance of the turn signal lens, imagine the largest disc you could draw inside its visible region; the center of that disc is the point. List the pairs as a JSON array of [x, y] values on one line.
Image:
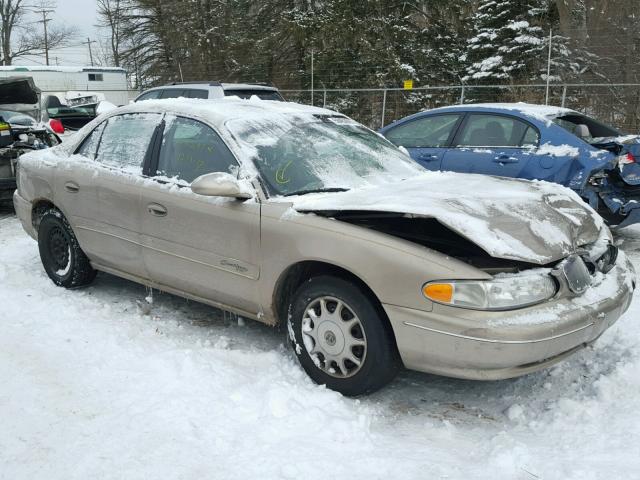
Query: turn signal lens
[[438, 292]]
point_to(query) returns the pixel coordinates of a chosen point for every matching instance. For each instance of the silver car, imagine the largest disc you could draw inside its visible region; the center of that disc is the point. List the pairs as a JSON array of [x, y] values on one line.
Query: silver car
[[300, 217]]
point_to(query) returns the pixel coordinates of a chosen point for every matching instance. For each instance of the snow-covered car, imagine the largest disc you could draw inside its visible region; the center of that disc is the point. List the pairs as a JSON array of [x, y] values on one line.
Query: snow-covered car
[[20, 132], [299, 216], [532, 142]]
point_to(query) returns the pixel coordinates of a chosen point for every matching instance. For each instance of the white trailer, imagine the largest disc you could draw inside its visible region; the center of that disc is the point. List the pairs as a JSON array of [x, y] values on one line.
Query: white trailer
[[55, 80]]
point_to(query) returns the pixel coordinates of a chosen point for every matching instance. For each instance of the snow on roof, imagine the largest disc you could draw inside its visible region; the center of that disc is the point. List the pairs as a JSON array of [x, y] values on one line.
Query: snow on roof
[[540, 112], [56, 68], [220, 110], [246, 86]]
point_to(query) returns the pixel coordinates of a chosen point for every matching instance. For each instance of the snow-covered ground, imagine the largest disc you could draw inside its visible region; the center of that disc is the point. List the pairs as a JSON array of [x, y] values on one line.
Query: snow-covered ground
[[94, 386]]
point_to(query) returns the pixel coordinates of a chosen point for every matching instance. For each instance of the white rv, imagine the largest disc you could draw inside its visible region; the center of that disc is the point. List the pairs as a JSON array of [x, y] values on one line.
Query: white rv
[[109, 83]]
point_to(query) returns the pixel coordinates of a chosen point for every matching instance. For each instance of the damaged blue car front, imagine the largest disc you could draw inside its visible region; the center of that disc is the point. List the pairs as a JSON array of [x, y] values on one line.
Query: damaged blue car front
[[531, 142]]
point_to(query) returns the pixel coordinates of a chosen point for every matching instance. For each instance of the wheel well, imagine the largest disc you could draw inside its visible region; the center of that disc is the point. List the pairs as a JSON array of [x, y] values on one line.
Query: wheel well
[[38, 210], [297, 274]]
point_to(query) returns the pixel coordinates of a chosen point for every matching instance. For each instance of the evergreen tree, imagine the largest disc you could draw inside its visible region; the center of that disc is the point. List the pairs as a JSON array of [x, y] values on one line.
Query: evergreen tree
[[508, 41]]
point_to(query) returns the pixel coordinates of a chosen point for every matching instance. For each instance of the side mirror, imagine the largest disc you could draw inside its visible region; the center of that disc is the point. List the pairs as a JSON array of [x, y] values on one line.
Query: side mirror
[[219, 184]]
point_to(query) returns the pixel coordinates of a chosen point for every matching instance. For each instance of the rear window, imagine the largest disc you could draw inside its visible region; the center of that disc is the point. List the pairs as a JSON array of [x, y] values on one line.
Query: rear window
[[248, 93], [596, 129]]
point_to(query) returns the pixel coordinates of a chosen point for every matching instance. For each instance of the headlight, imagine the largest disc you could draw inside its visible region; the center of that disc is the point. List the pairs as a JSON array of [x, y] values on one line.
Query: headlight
[[502, 293]]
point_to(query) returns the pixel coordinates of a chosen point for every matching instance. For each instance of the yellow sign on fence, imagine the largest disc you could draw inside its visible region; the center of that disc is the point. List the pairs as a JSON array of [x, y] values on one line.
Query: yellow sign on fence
[[408, 84]]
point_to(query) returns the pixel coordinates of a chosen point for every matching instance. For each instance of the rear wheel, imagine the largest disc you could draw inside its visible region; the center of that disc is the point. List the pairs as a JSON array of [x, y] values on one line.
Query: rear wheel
[[61, 255], [340, 337]]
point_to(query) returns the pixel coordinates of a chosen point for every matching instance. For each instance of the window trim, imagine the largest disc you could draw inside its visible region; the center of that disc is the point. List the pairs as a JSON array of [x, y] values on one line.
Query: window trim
[[469, 113], [154, 157], [450, 138]]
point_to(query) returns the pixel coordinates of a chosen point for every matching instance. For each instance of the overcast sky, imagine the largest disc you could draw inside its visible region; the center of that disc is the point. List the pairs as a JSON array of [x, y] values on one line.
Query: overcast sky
[[82, 15]]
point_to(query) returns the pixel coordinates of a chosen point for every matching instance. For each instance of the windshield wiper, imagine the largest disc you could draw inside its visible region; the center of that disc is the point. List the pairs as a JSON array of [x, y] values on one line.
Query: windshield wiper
[[317, 190]]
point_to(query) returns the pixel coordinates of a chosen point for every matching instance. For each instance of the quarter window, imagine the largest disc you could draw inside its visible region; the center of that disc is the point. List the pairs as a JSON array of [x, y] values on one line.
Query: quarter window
[[190, 149], [89, 147], [125, 140], [433, 131], [497, 131]]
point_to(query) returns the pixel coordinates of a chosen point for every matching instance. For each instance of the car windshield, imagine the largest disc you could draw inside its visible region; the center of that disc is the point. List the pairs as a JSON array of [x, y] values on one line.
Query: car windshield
[[16, 118], [298, 154], [64, 111], [585, 127]]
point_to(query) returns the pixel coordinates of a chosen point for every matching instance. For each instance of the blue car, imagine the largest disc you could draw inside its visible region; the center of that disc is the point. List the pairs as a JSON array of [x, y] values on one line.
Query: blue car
[[532, 142]]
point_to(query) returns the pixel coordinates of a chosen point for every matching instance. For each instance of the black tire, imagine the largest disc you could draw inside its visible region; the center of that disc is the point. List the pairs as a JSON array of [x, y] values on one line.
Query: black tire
[[61, 255], [380, 362]]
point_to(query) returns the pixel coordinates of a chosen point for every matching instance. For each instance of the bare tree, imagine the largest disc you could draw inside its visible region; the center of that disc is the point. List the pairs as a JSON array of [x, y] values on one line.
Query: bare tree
[[112, 16], [19, 41], [11, 14]]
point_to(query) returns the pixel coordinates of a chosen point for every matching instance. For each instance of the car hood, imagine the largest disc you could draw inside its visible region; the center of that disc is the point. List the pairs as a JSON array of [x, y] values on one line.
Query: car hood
[[530, 221], [19, 94]]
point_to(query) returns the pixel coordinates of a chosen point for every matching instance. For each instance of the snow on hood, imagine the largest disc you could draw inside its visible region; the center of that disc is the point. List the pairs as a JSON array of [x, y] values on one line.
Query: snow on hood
[[530, 221]]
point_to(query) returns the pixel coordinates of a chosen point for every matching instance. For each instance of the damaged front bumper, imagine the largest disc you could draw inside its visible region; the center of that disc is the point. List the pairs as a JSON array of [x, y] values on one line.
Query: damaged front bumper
[[484, 345]]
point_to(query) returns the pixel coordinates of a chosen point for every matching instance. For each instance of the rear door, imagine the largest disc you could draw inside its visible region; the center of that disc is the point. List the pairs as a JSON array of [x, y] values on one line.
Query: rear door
[[493, 144], [426, 138], [208, 247], [122, 149]]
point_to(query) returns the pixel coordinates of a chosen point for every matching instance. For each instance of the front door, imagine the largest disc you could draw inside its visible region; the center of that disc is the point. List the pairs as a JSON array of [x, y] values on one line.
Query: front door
[[426, 138], [499, 145], [204, 246]]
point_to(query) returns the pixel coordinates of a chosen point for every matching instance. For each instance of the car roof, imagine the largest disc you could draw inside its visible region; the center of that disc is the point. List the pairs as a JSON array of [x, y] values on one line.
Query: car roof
[[206, 85], [218, 111], [541, 113]]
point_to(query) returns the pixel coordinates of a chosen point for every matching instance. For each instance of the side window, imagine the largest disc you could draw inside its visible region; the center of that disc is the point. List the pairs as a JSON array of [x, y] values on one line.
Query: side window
[[425, 132], [196, 93], [150, 95], [190, 149], [125, 140], [89, 146], [496, 131], [531, 138], [172, 93]]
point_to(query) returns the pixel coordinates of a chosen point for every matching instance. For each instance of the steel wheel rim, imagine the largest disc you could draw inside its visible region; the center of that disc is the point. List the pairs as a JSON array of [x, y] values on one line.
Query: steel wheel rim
[[334, 337], [59, 249]]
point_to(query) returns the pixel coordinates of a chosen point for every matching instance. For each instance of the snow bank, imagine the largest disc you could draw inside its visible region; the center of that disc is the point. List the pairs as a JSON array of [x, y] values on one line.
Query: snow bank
[[94, 388]]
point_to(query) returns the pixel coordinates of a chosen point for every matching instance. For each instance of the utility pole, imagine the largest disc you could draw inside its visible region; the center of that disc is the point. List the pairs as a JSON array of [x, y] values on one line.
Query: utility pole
[[88, 43], [44, 22]]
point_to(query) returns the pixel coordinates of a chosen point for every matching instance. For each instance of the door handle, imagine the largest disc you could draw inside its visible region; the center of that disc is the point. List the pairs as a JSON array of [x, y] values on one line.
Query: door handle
[[157, 209], [428, 157], [505, 159], [71, 187]]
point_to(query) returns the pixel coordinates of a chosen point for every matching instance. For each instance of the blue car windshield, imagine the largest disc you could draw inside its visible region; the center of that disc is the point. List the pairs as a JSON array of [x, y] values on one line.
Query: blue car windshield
[[297, 154]]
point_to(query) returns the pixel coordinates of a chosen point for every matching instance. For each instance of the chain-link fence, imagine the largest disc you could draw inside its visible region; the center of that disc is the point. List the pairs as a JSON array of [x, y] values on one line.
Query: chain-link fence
[[614, 104]]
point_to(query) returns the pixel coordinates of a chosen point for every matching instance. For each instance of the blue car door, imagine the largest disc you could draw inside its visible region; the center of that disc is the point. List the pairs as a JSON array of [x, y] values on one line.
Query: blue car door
[[426, 137], [492, 144]]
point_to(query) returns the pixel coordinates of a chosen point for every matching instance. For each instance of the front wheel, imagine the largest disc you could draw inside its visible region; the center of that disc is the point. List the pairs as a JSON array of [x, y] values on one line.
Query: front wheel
[[340, 337], [61, 255]]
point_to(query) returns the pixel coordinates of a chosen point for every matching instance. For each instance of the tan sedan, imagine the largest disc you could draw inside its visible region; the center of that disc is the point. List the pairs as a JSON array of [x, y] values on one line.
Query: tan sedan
[[299, 216]]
